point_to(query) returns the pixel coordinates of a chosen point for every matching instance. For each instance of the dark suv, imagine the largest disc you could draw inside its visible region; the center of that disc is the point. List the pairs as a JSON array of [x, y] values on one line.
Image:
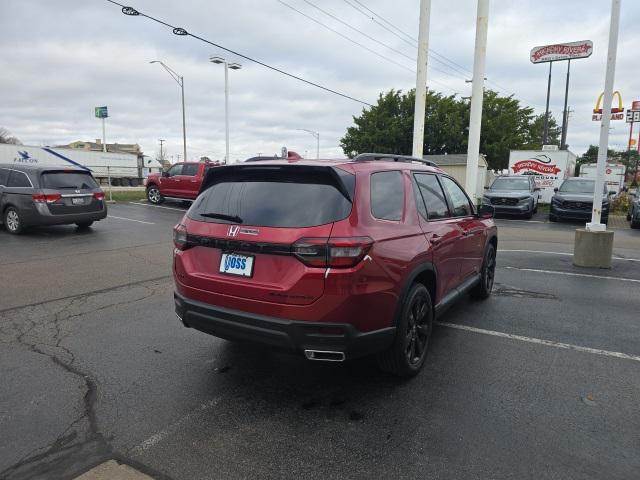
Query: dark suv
[[336, 259], [514, 195], [36, 195], [574, 201]]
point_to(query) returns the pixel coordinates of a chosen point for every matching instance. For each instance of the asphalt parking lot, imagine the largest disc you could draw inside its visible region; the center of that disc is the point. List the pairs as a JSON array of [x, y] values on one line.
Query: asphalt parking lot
[[540, 381]]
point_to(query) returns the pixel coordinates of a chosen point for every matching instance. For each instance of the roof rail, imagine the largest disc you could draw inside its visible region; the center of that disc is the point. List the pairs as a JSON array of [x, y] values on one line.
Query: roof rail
[[366, 157]]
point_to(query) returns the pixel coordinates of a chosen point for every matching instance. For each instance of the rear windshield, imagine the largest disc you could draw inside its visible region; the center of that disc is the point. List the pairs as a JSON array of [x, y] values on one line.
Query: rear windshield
[[275, 196], [68, 180]]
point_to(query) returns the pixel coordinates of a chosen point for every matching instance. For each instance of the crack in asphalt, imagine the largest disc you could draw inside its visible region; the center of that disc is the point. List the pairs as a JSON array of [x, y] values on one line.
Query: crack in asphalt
[[42, 332]]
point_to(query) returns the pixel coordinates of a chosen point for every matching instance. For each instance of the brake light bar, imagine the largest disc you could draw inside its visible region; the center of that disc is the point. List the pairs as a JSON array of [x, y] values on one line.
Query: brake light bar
[[98, 195], [46, 198], [180, 237], [340, 252]]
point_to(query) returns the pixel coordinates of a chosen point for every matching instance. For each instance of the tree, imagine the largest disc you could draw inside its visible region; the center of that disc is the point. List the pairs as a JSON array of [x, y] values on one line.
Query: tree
[[388, 126], [6, 137], [536, 130]]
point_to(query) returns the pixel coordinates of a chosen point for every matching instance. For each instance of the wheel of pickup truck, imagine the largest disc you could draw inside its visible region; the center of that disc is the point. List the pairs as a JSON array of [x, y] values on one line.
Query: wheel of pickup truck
[[153, 195]]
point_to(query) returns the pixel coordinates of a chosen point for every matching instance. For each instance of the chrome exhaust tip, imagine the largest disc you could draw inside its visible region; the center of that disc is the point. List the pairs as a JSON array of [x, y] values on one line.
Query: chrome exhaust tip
[[324, 355]]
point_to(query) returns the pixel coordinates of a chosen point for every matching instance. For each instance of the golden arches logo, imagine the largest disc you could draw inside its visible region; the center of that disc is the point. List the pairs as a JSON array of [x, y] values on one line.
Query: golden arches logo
[[620, 108]]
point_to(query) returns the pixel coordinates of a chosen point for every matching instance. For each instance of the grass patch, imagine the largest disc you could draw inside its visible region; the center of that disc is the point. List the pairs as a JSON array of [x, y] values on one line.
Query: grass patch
[[126, 196], [543, 207]]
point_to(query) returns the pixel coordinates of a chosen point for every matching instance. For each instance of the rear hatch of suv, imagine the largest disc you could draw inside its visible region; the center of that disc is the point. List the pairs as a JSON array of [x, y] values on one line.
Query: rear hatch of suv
[[69, 191], [260, 232]]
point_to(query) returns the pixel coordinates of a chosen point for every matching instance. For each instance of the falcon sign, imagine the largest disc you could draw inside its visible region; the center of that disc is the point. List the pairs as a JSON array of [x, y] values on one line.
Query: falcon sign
[[561, 51]]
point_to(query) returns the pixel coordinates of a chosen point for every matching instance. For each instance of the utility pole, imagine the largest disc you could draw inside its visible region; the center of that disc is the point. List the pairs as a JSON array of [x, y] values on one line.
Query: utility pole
[[421, 79], [316, 135], [161, 140], [477, 98]]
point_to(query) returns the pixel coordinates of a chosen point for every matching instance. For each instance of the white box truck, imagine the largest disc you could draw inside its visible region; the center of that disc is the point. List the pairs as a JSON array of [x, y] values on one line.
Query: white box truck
[[549, 167], [613, 175], [125, 169]]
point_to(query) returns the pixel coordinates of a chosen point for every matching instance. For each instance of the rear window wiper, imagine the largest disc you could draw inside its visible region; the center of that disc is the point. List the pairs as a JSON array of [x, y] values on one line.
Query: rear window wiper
[[222, 216]]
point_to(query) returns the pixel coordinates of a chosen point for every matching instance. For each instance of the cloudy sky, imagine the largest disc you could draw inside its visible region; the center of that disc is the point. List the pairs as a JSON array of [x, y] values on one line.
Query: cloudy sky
[[59, 59]]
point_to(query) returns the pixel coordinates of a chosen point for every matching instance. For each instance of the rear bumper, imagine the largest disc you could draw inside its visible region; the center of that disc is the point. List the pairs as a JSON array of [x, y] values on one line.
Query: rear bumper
[[41, 216], [280, 333]]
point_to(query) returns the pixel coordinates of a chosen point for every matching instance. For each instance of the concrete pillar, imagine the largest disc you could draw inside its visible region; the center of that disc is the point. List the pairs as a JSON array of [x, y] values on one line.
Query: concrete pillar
[[593, 249]]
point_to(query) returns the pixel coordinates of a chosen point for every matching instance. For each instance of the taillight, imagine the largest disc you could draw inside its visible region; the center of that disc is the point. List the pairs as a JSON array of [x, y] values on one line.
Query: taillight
[[98, 195], [46, 198], [341, 252], [180, 237]]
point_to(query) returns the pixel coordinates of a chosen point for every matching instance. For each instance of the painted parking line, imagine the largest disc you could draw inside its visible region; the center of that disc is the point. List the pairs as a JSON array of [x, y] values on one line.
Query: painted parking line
[[572, 274], [541, 341], [158, 206], [568, 254], [131, 220]]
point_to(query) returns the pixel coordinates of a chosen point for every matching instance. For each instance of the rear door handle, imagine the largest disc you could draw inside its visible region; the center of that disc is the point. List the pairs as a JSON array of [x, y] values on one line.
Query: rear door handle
[[435, 239]]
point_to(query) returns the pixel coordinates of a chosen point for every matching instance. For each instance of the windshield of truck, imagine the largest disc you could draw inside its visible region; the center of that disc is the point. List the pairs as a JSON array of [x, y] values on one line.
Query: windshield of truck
[[68, 180], [578, 186], [511, 183]]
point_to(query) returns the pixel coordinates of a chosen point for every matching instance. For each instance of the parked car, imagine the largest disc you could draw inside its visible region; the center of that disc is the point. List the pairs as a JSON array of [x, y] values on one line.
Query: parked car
[[182, 181], [334, 259], [513, 195], [574, 201], [634, 211], [32, 195]]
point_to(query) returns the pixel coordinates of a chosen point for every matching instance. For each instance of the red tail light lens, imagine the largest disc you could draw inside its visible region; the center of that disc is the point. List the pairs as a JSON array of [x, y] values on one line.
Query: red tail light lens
[[49, 198], [98, 195], [332, 252], [180, 237]]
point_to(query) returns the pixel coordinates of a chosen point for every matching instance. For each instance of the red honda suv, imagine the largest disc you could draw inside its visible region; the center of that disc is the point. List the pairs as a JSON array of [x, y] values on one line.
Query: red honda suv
[[336, 259]]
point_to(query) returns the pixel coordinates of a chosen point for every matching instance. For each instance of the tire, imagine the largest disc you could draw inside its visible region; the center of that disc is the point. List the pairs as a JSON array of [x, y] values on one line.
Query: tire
[[154, 196], [12, 221], [535, 209], [407, 355], [487, 275], [635, 225], [134, 182], [125, 182], [528, 215], [115, 182], [628, 217], [84, 225], [553, 218]]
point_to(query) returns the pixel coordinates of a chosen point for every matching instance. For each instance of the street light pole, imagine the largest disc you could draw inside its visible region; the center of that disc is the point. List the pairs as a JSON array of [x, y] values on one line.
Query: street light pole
[[227, 66], [317, 137], [180, 81]]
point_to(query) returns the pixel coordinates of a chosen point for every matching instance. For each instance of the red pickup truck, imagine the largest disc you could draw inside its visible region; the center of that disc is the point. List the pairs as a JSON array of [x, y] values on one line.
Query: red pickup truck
[[182, 180]]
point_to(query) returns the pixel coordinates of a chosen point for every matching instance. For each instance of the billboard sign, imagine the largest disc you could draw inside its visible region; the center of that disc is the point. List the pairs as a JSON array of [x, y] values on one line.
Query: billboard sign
[[617, 113], [561, 51], [548, 168], [101, 112], [633, 116]]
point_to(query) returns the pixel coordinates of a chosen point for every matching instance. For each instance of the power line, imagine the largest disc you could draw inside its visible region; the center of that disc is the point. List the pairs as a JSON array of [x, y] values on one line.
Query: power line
[[390, 60], [182, 32], [413, 42], [364, 46]]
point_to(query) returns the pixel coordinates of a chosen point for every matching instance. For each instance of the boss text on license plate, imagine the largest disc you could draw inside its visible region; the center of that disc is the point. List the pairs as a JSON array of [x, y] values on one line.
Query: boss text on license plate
[[235, 264]]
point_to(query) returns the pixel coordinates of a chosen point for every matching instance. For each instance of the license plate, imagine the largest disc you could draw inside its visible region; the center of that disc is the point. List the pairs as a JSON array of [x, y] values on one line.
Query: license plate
[[234, 264], [77, 201]]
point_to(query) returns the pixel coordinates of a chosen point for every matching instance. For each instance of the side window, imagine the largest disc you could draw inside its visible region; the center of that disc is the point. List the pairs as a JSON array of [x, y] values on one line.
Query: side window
[[18, 179], [4, 176], [190, 169], [433, 196], [175, 170], [387, 195], [460, 204]]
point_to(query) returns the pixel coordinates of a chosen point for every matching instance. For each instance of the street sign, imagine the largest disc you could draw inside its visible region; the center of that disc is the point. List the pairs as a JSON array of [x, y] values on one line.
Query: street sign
[[101, 112], [561, 51], [633, 116]]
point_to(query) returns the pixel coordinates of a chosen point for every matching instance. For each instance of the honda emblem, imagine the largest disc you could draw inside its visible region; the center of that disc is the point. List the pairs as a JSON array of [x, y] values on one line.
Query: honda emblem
[[233, 231]]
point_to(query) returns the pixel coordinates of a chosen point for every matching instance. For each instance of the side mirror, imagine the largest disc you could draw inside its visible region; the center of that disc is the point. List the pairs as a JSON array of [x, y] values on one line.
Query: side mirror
[[537, 189], [486, 187], [611, 192], [165, 173], [486, 211], [555, 189]]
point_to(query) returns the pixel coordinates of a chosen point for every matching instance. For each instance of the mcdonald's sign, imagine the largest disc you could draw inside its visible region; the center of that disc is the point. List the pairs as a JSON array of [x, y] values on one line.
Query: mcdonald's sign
[[617, 113]]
